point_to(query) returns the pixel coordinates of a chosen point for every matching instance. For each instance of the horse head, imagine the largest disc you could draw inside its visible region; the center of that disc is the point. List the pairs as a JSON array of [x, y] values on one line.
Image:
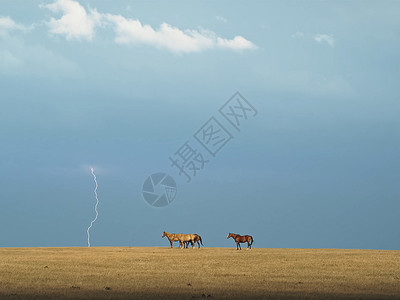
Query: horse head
[[229, 235]]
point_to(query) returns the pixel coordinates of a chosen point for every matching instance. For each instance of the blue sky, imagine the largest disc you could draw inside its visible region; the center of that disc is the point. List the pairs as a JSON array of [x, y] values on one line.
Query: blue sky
[[120, 86]]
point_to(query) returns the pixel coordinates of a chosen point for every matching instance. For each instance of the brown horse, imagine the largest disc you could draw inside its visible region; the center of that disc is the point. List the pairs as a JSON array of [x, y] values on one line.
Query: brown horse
[[171, 237], [241, 239], [182, 238], [197, 239]]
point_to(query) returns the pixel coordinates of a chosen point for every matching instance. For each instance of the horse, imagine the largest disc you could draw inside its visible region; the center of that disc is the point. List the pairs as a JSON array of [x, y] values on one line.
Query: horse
[[197, 239], [185, 238], [171, 237], [241, 239]]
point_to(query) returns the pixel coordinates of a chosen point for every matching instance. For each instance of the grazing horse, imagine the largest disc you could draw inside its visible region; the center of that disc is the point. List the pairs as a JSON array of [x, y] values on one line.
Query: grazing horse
[[182, 238], [241, 239], [197, 239], [171, 237]]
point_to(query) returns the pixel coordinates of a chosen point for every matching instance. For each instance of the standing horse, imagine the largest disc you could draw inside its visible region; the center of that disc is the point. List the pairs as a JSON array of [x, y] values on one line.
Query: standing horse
[[171, 237], [197, 239], [241, 239], [182, 238]]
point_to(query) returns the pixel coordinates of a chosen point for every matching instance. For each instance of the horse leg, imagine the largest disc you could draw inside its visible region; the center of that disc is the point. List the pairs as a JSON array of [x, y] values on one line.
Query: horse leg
[[171, 242]]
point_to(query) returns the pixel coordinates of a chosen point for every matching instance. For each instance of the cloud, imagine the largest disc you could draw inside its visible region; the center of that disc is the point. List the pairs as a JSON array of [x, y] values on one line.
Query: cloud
[[319, 38], [75, 22], [133, 32], [7, 24], [78, 23], [324, 38], [237, 43]]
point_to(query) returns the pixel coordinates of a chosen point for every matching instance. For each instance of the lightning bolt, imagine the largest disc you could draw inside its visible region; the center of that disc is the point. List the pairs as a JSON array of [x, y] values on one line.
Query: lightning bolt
[[95, 207]]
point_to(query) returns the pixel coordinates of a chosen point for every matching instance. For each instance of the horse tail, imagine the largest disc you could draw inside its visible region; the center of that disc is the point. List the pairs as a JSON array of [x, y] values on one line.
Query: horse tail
[[251, 243], [201, 242]]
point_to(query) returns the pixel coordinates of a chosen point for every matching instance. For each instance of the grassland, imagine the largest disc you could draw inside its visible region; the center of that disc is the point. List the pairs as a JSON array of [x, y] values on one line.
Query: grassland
[[214, 273]]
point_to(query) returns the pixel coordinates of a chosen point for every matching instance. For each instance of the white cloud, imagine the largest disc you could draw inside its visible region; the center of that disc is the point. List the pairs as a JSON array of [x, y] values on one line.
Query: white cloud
[[172, 38], [75, 22], [237, 43], [79, 23], [7, 24], [324, 38]]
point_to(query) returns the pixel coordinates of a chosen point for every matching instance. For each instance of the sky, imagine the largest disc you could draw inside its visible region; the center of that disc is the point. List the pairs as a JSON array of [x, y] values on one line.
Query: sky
[[278, 119]]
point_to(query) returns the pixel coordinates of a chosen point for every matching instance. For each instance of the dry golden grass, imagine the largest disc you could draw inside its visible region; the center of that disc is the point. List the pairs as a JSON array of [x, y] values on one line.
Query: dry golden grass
[[149, 273]]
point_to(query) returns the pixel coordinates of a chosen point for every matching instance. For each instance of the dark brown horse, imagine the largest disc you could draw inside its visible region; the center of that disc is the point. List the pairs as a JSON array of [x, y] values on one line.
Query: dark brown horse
[[241, 239]]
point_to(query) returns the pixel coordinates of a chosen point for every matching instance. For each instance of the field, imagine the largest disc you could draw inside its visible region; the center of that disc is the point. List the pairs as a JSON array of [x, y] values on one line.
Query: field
[[215, 273]]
